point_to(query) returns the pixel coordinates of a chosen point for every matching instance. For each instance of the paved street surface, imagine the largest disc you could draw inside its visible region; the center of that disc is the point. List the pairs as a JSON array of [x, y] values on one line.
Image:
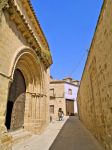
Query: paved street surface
[[62, 135], [74, 136], [44, 140]]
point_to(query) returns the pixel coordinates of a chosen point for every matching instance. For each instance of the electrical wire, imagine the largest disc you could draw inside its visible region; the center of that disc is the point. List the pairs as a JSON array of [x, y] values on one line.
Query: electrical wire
[[78, 64]]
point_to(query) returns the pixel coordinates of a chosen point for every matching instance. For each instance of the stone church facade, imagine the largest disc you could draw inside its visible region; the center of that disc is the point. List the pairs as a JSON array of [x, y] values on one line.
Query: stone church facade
[[24, 71], [95, 92]]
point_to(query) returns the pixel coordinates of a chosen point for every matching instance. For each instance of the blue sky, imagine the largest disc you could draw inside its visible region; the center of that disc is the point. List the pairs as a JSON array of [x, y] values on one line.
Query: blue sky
[[69, 27]]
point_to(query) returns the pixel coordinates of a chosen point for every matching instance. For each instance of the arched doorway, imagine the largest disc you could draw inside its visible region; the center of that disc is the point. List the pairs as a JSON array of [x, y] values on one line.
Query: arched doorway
[[16, 102], [27, 100]]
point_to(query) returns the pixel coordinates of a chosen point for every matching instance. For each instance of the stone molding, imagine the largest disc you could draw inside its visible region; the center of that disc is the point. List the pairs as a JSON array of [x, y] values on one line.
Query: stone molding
[[3, 4], [36, 94], [5, 76], [24, 27]]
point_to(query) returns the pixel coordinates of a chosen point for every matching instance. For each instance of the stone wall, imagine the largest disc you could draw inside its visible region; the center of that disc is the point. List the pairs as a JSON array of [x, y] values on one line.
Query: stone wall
[[58, 101], [95, 92]]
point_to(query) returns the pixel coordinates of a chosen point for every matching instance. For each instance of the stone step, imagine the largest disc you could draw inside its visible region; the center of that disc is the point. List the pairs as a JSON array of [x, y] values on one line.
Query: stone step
[[20, 136]]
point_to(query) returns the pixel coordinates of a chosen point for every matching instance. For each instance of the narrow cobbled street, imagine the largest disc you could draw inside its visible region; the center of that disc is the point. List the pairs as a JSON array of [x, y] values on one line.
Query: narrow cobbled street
[[74, 136], [55, 75]]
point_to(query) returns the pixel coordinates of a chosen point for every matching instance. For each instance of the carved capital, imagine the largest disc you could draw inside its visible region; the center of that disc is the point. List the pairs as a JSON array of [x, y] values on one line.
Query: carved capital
[[3, 4]]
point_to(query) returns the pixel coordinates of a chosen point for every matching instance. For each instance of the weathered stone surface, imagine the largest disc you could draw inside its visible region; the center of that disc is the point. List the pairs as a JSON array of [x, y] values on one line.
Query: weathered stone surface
[[95, 93], [3, 4], [18, 51], [5, 141]]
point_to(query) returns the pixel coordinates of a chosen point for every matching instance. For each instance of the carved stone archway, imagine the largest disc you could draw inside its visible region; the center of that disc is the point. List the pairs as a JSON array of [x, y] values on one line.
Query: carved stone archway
[[33, 100], [16, 102]]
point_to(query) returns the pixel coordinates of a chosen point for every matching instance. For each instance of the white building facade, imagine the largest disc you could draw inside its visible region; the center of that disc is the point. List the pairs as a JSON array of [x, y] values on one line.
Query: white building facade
[[71, 94]]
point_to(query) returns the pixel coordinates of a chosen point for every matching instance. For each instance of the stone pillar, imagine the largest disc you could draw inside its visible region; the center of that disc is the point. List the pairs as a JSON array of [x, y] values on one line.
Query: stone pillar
[[32, 112], [45, 91], [28, 119], [42, 112], [38, 117], [27, 113], [5, 138]]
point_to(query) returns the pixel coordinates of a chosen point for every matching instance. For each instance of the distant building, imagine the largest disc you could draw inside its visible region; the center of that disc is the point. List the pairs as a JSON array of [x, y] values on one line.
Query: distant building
[[63, 94]]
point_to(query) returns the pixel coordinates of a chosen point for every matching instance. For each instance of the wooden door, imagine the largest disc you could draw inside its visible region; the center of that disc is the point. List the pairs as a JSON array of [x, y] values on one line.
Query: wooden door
[[16, 102]]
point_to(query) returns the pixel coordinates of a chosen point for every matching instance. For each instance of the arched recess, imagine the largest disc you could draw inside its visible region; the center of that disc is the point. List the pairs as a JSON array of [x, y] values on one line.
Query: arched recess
[[16, 102], [27, 79]]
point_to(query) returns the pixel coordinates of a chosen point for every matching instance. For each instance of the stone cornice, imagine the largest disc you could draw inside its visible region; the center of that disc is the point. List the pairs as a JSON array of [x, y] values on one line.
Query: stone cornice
[[63, 82], [28, 6], [5, 76], [24, 27]]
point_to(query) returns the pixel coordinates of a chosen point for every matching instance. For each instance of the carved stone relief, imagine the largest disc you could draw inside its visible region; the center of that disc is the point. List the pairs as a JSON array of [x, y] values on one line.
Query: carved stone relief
[[3, 5]]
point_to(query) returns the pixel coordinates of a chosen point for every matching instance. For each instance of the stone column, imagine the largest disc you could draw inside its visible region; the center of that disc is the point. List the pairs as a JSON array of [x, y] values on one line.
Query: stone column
[[32, 116], [27, 113], [46, 94], [5, 138]]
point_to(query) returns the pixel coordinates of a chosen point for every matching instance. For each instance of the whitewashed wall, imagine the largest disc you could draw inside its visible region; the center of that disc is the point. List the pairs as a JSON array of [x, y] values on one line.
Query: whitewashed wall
[[74, 89]]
